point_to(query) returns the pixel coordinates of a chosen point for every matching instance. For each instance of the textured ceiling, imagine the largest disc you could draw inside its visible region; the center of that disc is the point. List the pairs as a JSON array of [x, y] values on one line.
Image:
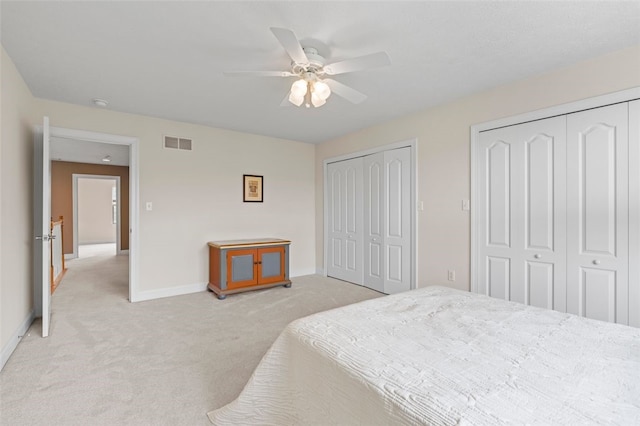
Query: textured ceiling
[[166, 59]]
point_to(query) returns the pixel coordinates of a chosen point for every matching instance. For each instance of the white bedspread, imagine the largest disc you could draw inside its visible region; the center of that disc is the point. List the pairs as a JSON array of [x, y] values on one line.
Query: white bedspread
[[443, 357]]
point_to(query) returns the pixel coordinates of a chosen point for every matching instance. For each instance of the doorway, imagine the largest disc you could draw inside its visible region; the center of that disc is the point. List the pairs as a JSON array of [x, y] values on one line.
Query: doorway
[[96, 215], [86, 153]]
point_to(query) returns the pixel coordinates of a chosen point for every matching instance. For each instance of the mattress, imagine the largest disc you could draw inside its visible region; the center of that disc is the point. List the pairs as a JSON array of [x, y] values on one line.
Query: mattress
[[438, 356]]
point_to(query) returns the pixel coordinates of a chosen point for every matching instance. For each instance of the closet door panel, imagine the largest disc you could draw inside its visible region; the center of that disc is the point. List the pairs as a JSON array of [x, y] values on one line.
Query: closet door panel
[[522, 213], [539, 175], [597, 289], [397, 220], [345, 220], [634, 213], [539, 284], [494, 218], [598, 232], [545, 213], [373, 221], [499, 194], [499, 277]]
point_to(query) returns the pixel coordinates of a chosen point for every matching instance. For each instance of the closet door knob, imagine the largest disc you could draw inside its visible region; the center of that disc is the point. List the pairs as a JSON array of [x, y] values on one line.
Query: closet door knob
[[537, 256], [596, 262]]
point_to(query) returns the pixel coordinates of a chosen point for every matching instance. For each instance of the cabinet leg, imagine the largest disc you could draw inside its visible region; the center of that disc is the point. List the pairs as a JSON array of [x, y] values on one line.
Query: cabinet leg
[[287, 285], [222, 296]]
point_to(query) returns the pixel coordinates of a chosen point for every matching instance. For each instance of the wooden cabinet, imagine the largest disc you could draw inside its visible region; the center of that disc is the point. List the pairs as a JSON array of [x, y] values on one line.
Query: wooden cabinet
[[244, 265]]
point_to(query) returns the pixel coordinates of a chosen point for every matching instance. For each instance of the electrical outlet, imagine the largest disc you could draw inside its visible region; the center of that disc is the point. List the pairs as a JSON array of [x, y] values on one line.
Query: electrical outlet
[[451, 275], [149, 206]]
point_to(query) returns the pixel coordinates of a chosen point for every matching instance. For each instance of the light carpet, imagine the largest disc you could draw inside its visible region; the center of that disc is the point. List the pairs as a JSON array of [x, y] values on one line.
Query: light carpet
[[161, 362]]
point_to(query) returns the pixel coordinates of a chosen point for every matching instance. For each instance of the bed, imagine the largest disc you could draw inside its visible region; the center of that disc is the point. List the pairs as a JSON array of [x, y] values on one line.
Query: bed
[[438, 356]]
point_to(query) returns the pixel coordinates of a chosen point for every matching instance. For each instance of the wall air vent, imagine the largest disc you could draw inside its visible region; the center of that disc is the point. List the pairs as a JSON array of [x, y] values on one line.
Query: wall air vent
[[173, 142]]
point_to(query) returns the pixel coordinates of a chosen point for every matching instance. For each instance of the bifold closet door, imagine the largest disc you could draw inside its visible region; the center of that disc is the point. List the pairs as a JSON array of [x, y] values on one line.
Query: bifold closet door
[[598, 213], [344, 251], [521, 213], [387, 221]]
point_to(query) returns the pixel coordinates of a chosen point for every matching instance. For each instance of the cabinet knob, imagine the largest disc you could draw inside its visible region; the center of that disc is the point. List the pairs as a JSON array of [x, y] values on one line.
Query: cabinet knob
[[596, 262], [537, 256]]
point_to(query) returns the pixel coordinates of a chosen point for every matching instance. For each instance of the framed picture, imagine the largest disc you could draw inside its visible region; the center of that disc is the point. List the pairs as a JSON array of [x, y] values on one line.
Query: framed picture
[[252, 188]]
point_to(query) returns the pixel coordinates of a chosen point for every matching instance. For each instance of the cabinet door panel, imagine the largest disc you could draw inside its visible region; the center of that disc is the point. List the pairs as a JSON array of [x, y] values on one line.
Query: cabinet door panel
[[241, 268], [271, 265]]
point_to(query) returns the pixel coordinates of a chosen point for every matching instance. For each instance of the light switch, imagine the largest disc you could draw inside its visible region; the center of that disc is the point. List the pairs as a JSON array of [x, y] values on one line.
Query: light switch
[[149, 206], [420, 205], [465, 205]]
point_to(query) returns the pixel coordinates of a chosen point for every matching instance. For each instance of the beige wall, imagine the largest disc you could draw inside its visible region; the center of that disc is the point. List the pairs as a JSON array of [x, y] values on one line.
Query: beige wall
[[62, 195], [16, 183], [197, 195], [444, 153], [95, 215]]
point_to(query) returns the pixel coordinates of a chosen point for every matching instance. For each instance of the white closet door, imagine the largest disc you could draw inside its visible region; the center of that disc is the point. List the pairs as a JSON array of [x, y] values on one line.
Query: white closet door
[[521, 213], [397, 220], [598, 225], [387, 221], [634, 213], [374, 201], [345, 220]]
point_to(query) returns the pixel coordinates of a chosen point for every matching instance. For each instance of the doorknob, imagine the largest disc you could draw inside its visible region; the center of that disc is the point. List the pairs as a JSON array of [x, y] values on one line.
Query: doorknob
[[596, 262], [537, 256]]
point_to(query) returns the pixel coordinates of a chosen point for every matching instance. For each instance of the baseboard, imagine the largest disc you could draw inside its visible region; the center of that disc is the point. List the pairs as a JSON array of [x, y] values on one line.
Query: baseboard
[[122, 252], [69, 256], [168, 292], [320, 271], [12, 344], [301, 272], [194, 288]]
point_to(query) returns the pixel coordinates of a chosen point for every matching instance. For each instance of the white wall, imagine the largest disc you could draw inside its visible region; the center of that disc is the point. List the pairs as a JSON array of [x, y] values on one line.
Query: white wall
[[197, 195], [95, 216], [444, 153], [16, 183]]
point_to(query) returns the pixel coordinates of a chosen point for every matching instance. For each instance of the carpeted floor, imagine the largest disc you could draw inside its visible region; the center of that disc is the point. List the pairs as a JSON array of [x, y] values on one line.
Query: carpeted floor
[[161, 362]]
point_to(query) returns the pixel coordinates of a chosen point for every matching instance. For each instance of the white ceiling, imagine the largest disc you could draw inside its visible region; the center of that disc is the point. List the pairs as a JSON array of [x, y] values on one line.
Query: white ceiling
[[79, 151], [166, 59]]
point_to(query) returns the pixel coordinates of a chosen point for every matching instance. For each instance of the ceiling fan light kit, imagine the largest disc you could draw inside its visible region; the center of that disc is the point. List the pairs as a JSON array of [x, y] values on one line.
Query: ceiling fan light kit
[[312, 88]]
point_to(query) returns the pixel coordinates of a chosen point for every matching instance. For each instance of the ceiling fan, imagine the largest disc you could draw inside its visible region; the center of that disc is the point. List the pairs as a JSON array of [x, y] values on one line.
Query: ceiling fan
[[313, 87]]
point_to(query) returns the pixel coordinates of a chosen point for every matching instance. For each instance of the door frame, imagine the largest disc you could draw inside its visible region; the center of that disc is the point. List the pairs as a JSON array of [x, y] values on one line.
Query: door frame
[[413, 145], [563, 109], [134, 212], [74, 196]]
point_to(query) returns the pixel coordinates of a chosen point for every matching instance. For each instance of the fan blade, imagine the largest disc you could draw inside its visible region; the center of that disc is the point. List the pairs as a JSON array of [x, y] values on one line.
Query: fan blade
[[290, 42], [285, 102], [352, 95], [374, 60], [258, 74]]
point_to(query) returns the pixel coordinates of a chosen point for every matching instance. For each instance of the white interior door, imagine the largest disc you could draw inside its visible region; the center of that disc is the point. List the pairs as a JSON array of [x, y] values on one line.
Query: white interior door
[[397, 220], [345, 220], [598, 231], [634, 213], [42, 225], [374, 241], [522, 213]]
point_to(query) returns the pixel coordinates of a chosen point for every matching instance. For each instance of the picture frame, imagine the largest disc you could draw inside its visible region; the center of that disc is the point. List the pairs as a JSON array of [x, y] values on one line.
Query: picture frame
[[253, 188]]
